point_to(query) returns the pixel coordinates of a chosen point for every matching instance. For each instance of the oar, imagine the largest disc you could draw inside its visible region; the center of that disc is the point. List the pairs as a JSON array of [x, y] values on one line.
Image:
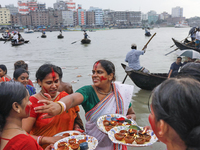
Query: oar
[[177, 49], [75, 42], [142, 49]]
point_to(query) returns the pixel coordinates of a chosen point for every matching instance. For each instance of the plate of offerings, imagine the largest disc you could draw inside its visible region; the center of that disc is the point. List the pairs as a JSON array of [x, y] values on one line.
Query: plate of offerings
[[106, 122], [77, 142], [68, 133], [132, 136]]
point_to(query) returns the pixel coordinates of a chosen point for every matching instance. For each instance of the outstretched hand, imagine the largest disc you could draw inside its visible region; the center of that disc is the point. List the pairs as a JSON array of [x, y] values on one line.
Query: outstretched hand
[[49, 107]]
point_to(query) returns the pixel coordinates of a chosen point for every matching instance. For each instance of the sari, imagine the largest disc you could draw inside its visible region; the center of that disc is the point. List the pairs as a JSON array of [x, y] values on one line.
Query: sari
[[116, 102], [22, 142], [5, 79], [54, 125]]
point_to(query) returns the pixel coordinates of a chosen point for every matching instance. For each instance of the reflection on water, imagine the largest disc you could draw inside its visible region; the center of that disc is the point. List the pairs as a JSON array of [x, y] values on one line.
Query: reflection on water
[[77, 59]]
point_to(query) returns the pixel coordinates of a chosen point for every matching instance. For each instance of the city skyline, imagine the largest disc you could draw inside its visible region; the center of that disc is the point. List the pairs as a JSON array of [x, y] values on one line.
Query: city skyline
[[190, 7]]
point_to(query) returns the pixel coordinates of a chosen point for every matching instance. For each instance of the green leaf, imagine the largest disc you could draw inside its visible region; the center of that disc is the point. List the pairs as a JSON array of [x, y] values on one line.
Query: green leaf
[[134, 127], [127, 120]]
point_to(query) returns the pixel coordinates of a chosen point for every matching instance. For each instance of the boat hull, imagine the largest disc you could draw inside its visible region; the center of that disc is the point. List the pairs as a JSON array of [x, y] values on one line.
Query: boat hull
[[60, 37], [1, 39], [146, 81], [186, 45], [43, 36], [85, 41], [17, 44]]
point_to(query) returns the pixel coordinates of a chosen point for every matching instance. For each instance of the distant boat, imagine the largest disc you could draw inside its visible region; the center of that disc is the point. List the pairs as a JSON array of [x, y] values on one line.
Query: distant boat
[[28, 31], [182, 24], [85, 41]]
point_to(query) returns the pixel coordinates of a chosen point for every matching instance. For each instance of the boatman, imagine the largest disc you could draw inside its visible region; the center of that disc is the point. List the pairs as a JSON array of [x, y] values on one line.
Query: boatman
[[197, 43], [15, 37], [85, 35], [133, 59], [175, 67]]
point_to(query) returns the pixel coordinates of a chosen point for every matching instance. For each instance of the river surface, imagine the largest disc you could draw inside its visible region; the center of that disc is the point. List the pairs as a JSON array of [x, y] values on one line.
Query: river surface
[[77, 59]]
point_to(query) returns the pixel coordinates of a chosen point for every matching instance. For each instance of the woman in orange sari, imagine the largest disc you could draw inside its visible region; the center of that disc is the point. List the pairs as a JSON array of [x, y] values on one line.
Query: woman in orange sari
[[3, 74], [48, 78]]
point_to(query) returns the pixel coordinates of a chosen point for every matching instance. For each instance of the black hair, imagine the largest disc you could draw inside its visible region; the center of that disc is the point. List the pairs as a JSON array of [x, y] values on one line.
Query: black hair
[[108, 66], [133, 47], [190, 69], [3, 67], [176, 101], [10, 92], [20, 64], [179, 57], [60, 73], [45, 69], [18, 73]]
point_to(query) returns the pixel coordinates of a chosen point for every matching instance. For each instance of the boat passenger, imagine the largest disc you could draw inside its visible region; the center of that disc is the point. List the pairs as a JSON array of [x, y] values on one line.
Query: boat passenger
[[20, 37], [22, 75], [197, 42], [133, 59], [14, 106], [175, 67], [103, 97], [85, 35], [48, 79], [174, 117], [3, 74], [15, 37], [22, 64]]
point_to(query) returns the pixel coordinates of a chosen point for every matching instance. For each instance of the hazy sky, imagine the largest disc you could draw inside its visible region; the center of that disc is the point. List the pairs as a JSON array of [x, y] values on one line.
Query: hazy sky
[[191, 8]]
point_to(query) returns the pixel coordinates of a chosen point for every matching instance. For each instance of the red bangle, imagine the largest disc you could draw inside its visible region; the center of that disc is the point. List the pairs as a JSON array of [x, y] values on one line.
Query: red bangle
[[40, 141]]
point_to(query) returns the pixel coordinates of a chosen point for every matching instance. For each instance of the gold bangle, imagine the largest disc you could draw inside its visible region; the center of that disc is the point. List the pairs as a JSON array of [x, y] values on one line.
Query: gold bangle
[[62, 107]]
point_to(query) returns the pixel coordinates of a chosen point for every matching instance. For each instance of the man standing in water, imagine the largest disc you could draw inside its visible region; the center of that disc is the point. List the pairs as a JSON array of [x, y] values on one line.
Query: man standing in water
[[133, 59], [175, 67]]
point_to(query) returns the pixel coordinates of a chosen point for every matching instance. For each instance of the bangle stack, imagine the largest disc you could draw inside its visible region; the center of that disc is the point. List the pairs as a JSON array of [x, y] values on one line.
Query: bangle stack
[[39, 139], [63, 107]]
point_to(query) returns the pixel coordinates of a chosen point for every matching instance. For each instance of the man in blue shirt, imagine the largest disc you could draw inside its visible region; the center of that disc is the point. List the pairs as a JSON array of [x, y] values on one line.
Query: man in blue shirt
[[175, 67], [133, 59]]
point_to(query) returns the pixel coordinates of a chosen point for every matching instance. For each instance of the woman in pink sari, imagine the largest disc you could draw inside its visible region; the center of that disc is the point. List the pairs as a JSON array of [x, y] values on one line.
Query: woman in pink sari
[[103, 97]]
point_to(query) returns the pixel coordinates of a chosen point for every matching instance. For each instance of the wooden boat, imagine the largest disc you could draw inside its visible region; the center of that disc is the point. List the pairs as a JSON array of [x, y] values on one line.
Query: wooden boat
[[43, 36], [148, 34], [60, 36], [146, 81], [26, 41], [3, 39], [17, 44], [85, 41], [186, 45]]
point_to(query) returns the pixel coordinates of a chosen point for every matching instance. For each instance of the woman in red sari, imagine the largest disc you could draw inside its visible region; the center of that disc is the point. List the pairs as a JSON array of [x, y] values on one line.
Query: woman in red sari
[[14, 106], [3, 74], [48, 79]]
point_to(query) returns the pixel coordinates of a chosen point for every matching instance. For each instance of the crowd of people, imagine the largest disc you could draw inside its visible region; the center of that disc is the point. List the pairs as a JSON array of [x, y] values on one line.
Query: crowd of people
[[29, 119]]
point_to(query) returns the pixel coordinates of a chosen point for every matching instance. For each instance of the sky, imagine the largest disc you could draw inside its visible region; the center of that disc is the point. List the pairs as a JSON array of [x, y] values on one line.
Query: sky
[[191, 8]]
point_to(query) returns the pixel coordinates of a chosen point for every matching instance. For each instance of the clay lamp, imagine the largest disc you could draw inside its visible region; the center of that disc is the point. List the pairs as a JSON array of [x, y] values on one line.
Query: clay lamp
[[62, 144], [144, 132], [119, 136], [132, 132], [123, 131], [75, 133], [113, 123], [63, 148], [106, 123], [129, 139], [140, 140], [121, 119], [75, 146], [146, 137], [72, 141], [108, 128]]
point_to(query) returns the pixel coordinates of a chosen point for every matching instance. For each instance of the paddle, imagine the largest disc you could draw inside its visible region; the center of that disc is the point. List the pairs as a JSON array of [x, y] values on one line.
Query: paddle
[[142, 49], [75, 42], [177, 49]]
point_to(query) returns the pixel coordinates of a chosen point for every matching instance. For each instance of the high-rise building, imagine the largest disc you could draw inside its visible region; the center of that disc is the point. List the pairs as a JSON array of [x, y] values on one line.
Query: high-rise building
[[71, 5], [177, 12], [98, 13], [90, 19], [12, 8], [25, 6], [41, 6], [60, 5], [81, 16], [5, 16], [68, 18], [152, 17]]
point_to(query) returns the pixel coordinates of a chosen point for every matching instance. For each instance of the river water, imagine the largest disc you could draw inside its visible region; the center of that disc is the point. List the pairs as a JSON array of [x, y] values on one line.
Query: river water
[[77, 59]]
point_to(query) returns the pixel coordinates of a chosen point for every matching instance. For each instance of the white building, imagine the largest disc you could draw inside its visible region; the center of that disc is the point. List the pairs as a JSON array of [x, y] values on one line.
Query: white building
[[177, 12], [98, 12], [144, 16], [68, 19]]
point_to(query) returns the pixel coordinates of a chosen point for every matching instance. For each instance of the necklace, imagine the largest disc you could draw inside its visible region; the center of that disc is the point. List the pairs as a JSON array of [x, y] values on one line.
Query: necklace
[[14, 128], [102, 92], [46, 97]]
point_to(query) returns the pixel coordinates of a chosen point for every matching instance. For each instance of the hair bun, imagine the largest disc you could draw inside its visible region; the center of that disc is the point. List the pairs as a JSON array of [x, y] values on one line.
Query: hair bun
[[193, 138]]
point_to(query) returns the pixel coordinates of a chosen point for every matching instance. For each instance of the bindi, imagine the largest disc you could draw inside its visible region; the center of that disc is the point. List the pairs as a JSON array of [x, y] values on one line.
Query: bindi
[[53, 74]]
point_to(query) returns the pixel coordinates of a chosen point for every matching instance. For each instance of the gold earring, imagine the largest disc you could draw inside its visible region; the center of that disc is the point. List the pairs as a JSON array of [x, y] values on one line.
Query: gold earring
[[18, 111]]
